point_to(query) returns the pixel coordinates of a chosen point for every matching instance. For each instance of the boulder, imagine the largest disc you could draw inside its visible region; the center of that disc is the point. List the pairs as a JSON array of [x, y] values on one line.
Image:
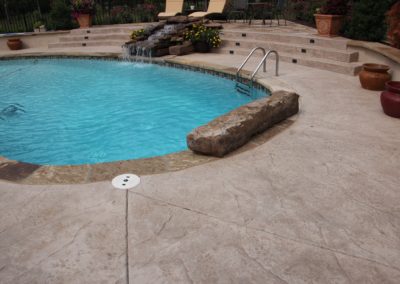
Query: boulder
[[234, 129], [182, 49], [178, 20]]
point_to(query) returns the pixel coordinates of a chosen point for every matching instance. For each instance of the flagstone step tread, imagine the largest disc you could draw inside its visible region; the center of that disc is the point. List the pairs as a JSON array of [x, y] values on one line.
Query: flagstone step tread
[[319, 52], [85, 44], [320, 63], [298, 38]]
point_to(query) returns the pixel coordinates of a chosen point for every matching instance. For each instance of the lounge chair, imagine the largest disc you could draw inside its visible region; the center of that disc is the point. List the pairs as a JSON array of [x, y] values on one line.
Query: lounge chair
[[214, 7], [172, 8]]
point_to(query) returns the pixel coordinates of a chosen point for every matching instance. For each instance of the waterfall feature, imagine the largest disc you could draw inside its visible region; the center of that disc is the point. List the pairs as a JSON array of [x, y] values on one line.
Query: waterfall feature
[[155, 40]]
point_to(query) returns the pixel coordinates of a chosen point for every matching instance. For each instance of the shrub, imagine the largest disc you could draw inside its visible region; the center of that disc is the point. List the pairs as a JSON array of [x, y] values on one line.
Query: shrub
[[394, 25], [83, 6], [335, 7], [368, 20], [60, 16], [303, 10], [121, 15]]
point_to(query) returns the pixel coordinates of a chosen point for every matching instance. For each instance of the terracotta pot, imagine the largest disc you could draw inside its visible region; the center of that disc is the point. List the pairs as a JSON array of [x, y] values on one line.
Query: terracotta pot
[[14, 43], [84, 20], [328, 25], [390, 99], [374, 76], [202, 47]]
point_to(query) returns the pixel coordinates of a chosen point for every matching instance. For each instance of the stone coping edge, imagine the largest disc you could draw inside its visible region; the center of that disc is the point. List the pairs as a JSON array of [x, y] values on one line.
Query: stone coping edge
[[25, 34], [384, 50], [25, 173]]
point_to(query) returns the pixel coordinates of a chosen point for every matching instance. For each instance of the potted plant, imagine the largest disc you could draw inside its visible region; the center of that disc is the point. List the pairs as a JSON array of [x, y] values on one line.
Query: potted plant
[[83, 11], [36, 26], [39, 27], [329, 18], [203, 38]]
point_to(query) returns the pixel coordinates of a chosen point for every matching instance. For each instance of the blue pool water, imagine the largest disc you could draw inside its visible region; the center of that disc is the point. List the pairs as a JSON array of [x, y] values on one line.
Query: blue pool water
[[78, 111]]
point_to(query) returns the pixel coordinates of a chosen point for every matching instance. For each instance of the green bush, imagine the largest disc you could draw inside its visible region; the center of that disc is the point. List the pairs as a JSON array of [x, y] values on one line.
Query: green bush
[[368, 20], [60, 16]]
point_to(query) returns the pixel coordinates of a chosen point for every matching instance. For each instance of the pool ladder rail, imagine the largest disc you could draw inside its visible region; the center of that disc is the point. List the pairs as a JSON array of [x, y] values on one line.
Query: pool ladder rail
[[245, 86]]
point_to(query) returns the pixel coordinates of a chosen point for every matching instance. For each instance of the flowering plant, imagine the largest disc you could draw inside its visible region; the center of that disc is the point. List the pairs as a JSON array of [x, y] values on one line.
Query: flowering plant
[[136, 34], [335, 7], [83, 6], [200, 33]]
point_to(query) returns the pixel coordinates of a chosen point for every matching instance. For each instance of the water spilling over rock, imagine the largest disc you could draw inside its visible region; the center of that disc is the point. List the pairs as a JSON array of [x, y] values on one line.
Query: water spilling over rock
[[162, 38]]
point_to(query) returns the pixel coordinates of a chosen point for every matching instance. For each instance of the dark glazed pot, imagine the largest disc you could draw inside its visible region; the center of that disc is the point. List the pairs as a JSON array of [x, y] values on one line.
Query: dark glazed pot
[[202, 47], [390, 99], [374, 76], [14, 43]]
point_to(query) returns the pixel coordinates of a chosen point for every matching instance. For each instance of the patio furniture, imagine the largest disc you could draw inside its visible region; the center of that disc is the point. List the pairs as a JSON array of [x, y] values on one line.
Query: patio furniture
[[280, 10], [262, 10], [238, 10], [172, 8], [270, 9], [214, 7]]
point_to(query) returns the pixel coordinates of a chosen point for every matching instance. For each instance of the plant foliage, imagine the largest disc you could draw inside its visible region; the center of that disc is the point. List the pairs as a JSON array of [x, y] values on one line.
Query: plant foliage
[[60, 16], [200, 33], [335, 7], [368, 20]]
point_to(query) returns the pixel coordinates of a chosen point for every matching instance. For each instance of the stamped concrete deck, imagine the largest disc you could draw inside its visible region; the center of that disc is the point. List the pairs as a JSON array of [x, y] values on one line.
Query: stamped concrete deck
[[318, 203]]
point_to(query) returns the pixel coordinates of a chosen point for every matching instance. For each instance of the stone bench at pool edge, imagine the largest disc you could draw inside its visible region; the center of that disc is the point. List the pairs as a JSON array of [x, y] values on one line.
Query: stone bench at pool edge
[[234, 129]]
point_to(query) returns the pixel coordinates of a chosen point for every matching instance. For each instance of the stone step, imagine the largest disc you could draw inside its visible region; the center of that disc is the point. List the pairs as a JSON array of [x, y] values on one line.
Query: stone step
[[90, 37], [325, 64], [107, 30], [285, 37], [305, 50], [87, 43]]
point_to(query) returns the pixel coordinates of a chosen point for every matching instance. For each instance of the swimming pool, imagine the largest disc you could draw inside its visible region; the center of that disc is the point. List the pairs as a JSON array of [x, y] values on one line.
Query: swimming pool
[[81, 111]]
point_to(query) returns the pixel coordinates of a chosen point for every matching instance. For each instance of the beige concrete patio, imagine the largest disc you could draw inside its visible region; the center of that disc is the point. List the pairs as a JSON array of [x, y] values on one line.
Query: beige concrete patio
[[318, 203]]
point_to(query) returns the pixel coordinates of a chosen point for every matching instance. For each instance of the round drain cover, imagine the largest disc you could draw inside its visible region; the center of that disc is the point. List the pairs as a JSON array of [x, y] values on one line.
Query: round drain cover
[[125, 181]]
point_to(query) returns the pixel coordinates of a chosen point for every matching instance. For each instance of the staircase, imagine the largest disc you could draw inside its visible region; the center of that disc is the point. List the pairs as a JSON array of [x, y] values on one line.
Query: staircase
[[96, 36], [297, 48]]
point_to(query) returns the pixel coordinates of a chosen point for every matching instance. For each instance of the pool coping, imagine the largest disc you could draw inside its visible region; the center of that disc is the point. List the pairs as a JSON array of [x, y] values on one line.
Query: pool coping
[[26, 173]]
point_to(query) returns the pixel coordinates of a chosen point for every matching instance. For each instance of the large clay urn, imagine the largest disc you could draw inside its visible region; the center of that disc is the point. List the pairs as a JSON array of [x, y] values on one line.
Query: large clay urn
[[390, 99], [14, 43], [84, 20], [328, 25], [374, 76]]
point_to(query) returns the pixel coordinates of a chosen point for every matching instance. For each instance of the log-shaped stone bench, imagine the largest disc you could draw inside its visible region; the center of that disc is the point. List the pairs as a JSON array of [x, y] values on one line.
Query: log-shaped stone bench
[[234, 129]]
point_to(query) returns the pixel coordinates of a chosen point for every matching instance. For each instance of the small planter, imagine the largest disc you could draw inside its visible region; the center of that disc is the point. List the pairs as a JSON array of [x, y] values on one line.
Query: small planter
[[329, 25], [374, 76], [84, 20], [390, 99], [202, 47], [14, 43]]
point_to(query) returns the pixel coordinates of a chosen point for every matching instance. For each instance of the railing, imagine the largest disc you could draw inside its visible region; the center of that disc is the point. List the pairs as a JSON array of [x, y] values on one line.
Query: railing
[[249, 86], [264, 60]]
